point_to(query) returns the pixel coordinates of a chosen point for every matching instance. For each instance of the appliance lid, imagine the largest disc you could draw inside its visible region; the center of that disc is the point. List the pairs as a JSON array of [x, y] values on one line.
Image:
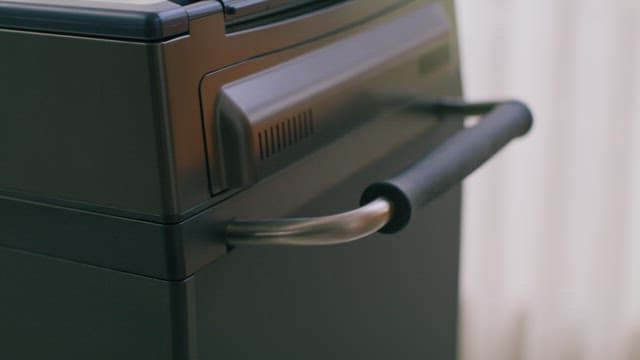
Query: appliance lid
[[144, 20]]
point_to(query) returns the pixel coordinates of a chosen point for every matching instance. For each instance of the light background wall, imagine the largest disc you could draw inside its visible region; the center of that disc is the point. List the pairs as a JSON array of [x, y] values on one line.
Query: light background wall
[[551, 238]]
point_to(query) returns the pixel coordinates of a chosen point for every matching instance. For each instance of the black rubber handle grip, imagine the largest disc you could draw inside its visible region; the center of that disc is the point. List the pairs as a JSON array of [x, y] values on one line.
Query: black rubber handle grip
[[450, 162]]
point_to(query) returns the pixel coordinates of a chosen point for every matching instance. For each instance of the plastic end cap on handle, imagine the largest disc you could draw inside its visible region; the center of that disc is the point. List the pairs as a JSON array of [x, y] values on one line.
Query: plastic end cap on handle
[[524, 111], [401, 205]]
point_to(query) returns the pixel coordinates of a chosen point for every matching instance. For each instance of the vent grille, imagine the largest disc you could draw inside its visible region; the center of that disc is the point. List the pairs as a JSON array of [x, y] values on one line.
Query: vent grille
[[285, 133]]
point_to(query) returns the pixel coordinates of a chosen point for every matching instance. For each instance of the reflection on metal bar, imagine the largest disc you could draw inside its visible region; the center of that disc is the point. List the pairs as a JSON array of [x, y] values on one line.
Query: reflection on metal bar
[[323, 230]]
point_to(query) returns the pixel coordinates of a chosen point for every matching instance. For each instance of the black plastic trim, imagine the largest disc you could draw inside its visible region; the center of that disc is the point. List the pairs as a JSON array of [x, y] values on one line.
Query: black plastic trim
[[454, 159], [160, 22]]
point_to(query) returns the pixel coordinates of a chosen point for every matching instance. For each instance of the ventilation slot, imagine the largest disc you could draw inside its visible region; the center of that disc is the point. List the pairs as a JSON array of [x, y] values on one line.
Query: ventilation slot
[[283, 134]]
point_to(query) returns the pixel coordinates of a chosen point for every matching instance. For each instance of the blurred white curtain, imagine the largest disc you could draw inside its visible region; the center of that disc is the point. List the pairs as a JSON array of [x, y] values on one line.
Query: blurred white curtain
[[551, 238]]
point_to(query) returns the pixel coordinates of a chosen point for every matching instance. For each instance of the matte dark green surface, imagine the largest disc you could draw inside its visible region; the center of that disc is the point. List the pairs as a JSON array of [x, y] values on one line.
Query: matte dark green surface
[[383, 297], [111, 247], [379, 298], [79, 122], [53, 309], [115, 126]]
